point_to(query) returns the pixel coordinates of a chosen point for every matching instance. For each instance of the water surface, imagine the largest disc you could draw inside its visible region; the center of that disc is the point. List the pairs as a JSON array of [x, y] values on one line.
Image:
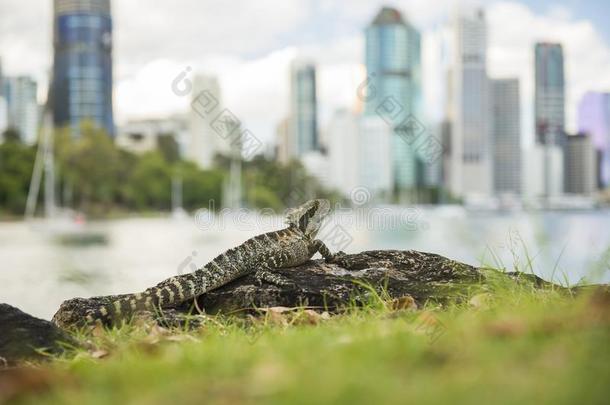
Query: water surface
[[38, 270]]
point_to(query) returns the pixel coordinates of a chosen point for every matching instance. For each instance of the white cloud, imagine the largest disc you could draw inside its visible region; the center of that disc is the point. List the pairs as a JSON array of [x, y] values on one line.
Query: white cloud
[[144, 94], [257, 91], [192, 28]]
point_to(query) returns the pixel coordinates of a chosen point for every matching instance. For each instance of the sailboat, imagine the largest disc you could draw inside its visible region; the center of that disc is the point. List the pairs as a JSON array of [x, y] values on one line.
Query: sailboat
[[66, 225], [178, 212]]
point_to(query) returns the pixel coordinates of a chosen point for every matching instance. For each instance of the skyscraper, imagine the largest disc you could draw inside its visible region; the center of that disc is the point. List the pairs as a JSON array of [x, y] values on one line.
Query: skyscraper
[[343, 151], [375, 143], [303, 108], [393, 64], [549, 111], [22, 106], [594, 119], [205, 142], [3, 117], [3, 106], [471, 170], [284, 145], [549, 102], [1, 79], [580, 162], [506, 136], [82, 66]]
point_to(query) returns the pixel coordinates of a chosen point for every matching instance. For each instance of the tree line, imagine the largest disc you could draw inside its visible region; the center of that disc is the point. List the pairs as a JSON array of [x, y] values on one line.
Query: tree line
[[95, 177]]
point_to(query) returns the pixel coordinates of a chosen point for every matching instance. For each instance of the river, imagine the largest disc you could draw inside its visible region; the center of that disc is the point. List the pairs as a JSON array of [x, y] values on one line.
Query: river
[[39, 269]]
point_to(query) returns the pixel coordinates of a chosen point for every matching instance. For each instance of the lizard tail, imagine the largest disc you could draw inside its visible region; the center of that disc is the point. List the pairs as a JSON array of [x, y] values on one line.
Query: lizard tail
[[125, 307], [170, 292]]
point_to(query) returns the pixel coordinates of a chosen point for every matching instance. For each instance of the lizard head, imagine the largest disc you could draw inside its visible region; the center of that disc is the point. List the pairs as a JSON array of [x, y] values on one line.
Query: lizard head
[[309, 216]]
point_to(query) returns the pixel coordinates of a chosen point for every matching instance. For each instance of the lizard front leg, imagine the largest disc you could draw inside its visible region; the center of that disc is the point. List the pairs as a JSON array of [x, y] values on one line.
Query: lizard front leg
[[329, 257]]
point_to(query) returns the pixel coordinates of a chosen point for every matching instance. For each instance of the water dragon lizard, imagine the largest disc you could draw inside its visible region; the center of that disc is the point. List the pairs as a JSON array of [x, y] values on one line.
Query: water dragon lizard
[[260, 255]]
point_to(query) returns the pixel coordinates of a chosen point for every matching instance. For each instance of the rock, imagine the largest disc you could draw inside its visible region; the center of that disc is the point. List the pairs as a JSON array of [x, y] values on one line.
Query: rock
[[403, 279], [24, 337], [354, 279], [422, 276]]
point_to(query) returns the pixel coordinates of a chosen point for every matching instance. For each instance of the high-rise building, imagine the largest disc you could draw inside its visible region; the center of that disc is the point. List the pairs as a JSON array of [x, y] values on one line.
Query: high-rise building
[[506, 136], [317, 165], [343, 151], [303, 108], [541, 180], [22, 106], [207, 139], [141, 136], [393, 64], [284, 147], [446, 157], [430, 162], [471, 169], [1, 80], [3, 106], [374, 148], [549, 93], [594, 119], [549, 111], [580, 165], [3, 116], [82, 66]]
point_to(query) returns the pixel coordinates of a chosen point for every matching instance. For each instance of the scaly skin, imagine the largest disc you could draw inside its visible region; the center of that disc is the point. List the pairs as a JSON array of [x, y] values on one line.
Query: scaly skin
[[288, 247]]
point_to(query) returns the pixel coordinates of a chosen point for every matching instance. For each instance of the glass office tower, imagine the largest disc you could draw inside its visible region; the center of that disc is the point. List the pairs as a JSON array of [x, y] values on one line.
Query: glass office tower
[[393, 64], [82, 67]]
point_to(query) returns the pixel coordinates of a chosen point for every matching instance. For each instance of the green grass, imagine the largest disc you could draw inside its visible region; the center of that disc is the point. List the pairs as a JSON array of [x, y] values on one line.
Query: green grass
[[513, 346]]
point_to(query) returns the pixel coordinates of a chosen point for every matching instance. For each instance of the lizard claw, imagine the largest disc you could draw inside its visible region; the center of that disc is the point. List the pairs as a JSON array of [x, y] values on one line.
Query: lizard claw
[[337, 257]]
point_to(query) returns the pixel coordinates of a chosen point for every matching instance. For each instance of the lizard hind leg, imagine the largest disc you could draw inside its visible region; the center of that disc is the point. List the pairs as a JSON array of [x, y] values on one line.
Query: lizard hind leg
[[268, 276]]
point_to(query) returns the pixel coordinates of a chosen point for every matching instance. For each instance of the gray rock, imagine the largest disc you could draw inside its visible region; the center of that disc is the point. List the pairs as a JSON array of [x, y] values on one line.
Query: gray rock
[[24, 337]]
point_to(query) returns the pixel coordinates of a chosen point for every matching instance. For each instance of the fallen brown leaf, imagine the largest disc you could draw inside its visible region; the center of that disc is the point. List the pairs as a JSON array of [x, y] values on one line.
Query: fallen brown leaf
[[507, 328], [308, 316], [99, 354], [403, 303]]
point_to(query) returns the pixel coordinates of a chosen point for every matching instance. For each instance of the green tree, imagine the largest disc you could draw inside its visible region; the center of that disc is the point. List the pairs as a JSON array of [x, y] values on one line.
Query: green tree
[[263, 197], [11, 135], [289, 183], [91, 165], [16, 165], [102, 178], [200, 186], [168, 147], [150, 183]]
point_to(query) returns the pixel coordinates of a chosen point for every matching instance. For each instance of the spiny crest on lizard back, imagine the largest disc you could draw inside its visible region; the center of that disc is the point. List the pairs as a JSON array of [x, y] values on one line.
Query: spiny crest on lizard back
[[309, 216]]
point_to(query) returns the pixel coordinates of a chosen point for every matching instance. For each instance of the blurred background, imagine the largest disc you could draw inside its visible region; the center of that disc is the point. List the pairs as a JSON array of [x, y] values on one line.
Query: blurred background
[[140, 140]]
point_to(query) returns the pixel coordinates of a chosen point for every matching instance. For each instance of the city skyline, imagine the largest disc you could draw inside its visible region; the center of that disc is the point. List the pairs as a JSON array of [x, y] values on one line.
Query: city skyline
[[139, 91]]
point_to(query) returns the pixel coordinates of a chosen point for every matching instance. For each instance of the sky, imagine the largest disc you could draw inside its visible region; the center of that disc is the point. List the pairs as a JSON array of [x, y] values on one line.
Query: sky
[[249, 45]]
